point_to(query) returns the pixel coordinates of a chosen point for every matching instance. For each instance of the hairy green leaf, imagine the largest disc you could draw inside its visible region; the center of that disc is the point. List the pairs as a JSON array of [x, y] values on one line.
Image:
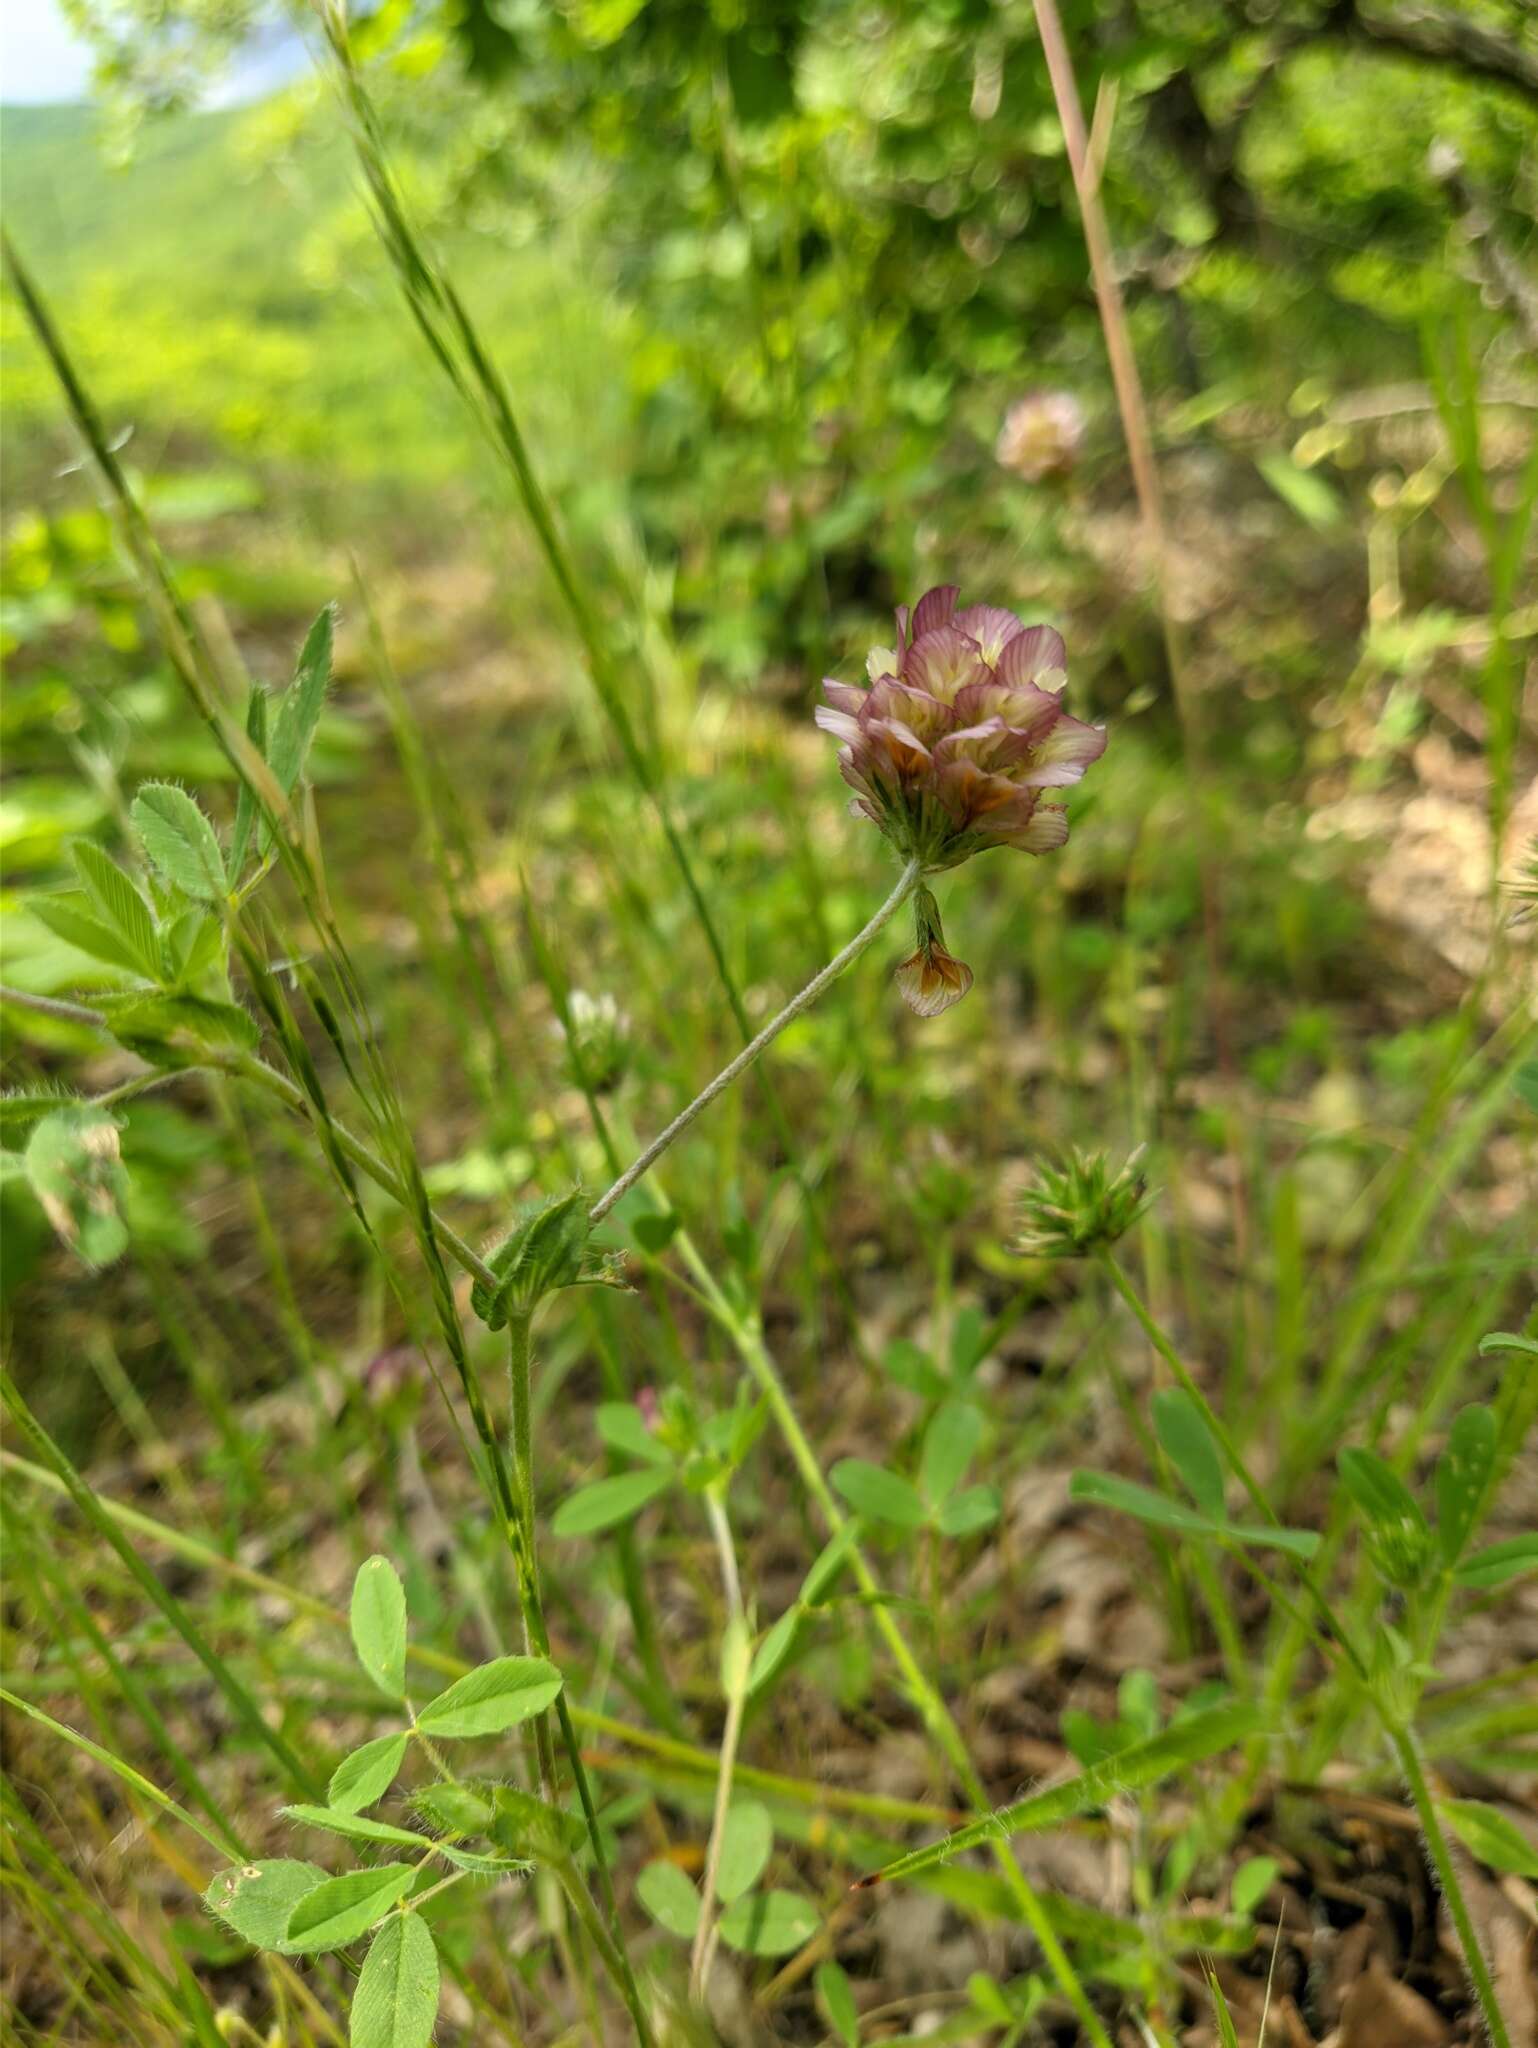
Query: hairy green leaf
[[73, 1162], [607, 1502], [1463, 1478], [68, 919], [1188, 1444], [492, 1697], [837, 1998], [1499, 1562], [180, 841], [357, 1827], [879, 1495], [745, 1847], [669, 1898], [1492, 1835], [395, 2001], [342, 1908], [256, 1899], [950, 1443], [769, 1923], [115, 900], [623, 1428], [367, 1774], [378, 1619]]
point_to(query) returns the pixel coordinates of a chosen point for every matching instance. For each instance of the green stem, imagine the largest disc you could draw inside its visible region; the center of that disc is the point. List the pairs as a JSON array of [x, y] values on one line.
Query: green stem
[[521, 1530], [748, 1340], [735, 1664], [907, 882], [1405, 1748]]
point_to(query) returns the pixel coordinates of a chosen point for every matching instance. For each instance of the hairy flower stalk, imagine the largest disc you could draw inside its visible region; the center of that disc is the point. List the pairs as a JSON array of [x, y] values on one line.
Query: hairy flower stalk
[[907, 881], [950, 749]]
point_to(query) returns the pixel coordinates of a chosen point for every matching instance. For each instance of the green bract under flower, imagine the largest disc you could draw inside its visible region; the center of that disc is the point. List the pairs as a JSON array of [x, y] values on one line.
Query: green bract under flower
[[960, 733], [547, 1248]]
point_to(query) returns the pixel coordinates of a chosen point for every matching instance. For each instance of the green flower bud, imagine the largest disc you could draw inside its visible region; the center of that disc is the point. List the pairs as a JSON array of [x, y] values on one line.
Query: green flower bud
[[1081, 1207]]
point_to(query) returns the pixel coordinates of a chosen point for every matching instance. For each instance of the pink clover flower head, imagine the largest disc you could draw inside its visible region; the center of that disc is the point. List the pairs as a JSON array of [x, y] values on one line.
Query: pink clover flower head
[[961, 737]]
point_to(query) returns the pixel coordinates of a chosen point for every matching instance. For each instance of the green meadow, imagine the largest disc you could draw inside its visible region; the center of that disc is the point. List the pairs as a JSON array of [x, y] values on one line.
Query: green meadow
[[697, 1355]]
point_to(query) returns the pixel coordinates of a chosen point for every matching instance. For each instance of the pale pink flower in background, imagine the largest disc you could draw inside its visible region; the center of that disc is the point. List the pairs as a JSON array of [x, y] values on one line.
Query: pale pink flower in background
[[1041, 434]]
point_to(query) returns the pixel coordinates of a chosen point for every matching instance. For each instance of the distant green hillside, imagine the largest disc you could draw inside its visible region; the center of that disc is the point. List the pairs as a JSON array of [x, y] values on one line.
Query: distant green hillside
[[189, 199], [224, 286]]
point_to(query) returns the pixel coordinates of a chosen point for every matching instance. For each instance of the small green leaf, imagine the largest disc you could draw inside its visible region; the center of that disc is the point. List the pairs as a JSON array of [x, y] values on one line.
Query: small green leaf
[[656, 1230], [68, 919], [909, 1366], [367, 1774], [548, 1247], [950, 1443], [1499, 1562], [1463, 1477], [180, 1030], [1188, 1444], [378, 1619], [1228, 2033], [837, 1999], [194, 944], [1507, 1340], [827, 1565], [670, 1898], [987, 1997], [482, 1865], [745, 1848], [342, 1908], [115, 900], [1379, 1491], [395, 2001], [456, 1809], [300, 706], [623, 1428], [526, 1825], [774, 1649], [879, 1495], [1308, 493], [256, 1899], [180, 841], [769, 1923], [1261, 1536], [1251, 1881], [1107, 1491], [1493, 1837], [974, 1508], [22, 1109], [74, 1165], [608, 1502], [492, 1697], [357, 1827]]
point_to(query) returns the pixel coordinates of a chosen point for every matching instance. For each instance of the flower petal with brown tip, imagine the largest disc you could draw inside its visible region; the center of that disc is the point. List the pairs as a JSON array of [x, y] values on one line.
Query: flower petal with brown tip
[[932, 981]]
